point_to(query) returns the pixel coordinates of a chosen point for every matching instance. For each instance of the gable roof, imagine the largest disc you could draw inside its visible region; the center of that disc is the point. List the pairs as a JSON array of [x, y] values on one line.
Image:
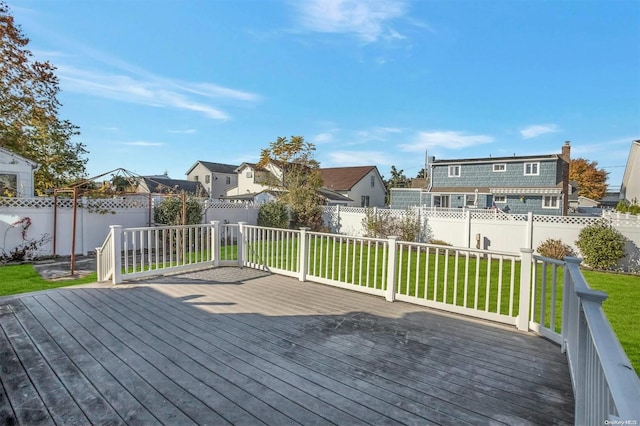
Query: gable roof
[[34, 165], [343, 178], [215, 167]]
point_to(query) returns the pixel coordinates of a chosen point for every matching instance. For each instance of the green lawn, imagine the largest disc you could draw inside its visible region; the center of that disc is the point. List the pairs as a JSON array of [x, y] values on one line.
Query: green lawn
[[24, 278]]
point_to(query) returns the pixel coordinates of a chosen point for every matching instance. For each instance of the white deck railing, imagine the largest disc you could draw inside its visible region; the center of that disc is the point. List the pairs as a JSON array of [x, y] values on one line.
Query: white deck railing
[[565, 310], [534, 293]]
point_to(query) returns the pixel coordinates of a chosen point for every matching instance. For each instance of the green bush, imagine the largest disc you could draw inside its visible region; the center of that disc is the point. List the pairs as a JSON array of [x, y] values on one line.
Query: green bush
[[555, 249], [601, 245], [382, 225], [622, 206], [169, 212], [273, 215]]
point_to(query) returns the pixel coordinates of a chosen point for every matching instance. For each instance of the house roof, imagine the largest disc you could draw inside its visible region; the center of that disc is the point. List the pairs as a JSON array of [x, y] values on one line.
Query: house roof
[[498, 159], [163, 184], [215, 167], [34, 165], [330, 195], [343, 178]]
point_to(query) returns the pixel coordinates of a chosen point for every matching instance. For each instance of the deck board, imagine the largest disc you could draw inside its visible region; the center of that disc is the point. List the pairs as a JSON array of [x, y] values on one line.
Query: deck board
[[239, 346]]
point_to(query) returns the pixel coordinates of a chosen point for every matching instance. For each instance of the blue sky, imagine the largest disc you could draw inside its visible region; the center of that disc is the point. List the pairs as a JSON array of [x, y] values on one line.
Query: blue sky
[[157, 85]]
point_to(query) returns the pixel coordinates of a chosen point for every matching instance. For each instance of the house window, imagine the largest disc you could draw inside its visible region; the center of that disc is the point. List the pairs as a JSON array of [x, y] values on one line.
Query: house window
[[550, 202], [228, 180], [207, 179], [502, 167], [8, 184], [454, 171], [196, 178], [373, 181], [470, 200], [364, 201], [249, 174], [500, 199], [531, 169]]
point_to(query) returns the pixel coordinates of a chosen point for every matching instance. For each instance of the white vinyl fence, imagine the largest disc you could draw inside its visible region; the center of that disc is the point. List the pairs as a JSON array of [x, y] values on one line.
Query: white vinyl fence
[[470, 228]]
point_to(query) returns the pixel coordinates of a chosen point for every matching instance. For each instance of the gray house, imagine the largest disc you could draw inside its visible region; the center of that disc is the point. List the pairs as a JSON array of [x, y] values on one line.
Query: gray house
[[536, 183], [215, 178]]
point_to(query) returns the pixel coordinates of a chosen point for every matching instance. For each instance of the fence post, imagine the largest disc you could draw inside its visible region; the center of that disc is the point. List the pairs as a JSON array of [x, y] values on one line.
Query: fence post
[[526, 259], [215, 243], [467, 227], [528, 237], [242, 255], [303, 250], [392, 266], [116, 253]]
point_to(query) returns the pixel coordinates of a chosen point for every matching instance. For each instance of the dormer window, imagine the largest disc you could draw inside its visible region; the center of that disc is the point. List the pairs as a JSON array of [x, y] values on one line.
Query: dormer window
[[454, 171], [531, 169]]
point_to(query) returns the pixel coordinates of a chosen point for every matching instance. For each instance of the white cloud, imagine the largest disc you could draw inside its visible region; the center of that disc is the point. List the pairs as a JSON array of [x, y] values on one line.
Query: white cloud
[[444, 139], [375, 134], [184, 132], [538, 129], [156, 92], [357, 158], [143, 143], [321, 138], [367, 19]]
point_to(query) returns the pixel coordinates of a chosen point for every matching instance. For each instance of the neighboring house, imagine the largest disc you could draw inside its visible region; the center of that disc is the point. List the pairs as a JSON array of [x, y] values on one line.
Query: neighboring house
[[630, 189], [579, 203], [362, 184], [215, 178], [16, 175], [162, 184], [536, 183], [251, 181], [345, 186]]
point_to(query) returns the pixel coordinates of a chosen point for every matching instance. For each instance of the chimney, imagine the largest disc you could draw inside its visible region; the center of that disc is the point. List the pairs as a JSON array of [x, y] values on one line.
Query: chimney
[[566, 160], [566, 151]]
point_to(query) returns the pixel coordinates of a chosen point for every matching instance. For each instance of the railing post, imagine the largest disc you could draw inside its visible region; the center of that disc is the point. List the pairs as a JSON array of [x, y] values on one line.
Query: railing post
[[528, 236], [242, 255], [303, 250], [569, 306], [215, 243], [116, 253], [526, 259], [392, 266], [99, 264]]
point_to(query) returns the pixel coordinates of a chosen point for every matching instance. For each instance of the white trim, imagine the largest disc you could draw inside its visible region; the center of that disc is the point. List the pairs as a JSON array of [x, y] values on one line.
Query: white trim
[[526, 191], [554, 207], [454, 167], [504, 167], [537, 167]]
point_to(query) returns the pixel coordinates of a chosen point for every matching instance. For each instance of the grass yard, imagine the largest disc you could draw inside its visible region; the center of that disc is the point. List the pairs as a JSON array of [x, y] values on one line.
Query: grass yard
[[16, 279], [622, 308]]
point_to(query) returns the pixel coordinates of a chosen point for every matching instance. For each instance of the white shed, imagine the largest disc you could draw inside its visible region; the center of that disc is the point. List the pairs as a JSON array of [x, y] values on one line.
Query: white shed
[[16, 175]]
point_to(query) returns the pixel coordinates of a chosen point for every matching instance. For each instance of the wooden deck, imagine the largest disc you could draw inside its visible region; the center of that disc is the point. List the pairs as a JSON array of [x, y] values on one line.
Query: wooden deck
[[238, 346]]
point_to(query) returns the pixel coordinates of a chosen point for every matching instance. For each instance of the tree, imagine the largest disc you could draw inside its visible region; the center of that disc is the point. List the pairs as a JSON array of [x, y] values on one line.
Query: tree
[[295, 178], [397, 180], [29, 122], [592, 182]]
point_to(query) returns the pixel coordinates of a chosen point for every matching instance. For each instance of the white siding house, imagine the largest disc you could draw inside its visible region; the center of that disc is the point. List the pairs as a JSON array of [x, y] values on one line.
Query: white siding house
[[362, 184], [215, 178], [16, 175], [630, 189]]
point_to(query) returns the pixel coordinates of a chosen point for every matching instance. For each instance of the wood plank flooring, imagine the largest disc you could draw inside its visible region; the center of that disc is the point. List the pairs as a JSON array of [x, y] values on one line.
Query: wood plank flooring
[[239, 346]]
